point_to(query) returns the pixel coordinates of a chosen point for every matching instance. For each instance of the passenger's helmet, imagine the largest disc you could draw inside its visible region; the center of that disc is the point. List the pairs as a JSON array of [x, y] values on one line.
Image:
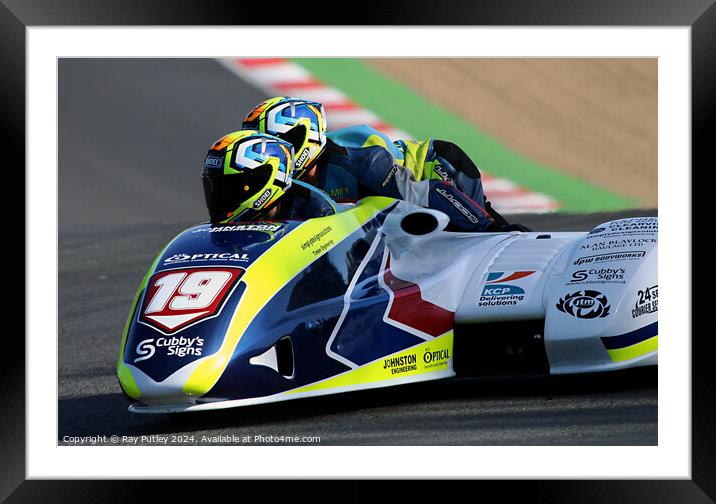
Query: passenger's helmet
[[300, 122], [245, 172]]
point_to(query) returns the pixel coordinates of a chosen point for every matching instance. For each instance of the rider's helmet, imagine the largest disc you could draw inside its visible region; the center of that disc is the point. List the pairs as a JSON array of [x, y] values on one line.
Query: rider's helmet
[[245, 172], [300, 122]]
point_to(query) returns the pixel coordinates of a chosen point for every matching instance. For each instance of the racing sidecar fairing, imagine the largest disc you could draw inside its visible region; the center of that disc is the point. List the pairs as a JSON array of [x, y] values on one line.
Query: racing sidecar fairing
[[380, 295]]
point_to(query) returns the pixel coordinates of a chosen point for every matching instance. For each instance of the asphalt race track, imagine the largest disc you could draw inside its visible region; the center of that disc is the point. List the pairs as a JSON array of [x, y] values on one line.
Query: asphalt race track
[[132, 138]]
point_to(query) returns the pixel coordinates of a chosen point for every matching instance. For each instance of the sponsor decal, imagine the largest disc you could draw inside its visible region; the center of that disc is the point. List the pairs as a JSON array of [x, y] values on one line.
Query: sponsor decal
[[435, 358], [409, 362], [213, 161], [301, 158], [428, 357], [585, 304], [640, 225], [222, 256], [432, 357], [262, 199], [340, 193], [598, 275], [389, 176], [617, 243], [443, 174], [314, 240], [647, 302], [442, 192], [401, 364], [177, 298], [239, 227], [175, 346], [145, 350], [497, 292], [615, 256]]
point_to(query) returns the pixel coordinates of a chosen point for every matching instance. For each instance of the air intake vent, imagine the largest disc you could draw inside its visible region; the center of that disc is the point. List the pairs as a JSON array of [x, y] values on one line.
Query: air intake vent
[[419, 223], [284, 357], [279, 358]]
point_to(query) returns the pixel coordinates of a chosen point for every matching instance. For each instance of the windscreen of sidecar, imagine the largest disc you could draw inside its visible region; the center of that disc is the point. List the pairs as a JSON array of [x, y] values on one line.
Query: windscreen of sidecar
[[246, 236]]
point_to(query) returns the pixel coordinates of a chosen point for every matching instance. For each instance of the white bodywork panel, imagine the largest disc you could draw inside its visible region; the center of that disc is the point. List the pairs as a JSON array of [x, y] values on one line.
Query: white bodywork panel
[[595, 277]]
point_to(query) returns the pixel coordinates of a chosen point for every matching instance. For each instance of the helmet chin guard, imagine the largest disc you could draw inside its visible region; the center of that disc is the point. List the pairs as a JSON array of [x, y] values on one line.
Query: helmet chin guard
[[300, 122]]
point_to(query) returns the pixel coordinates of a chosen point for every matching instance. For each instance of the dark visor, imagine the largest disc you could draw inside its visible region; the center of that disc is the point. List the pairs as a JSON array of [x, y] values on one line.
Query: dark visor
[[225, 193], [295, 136]]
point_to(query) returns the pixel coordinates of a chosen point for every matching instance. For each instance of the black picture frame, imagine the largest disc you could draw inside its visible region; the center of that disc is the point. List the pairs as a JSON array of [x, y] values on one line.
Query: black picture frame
[[699, 15]]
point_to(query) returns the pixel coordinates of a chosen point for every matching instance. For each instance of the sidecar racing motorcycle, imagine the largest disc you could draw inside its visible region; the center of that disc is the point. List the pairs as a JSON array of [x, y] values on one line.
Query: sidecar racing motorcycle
[[379, 295]]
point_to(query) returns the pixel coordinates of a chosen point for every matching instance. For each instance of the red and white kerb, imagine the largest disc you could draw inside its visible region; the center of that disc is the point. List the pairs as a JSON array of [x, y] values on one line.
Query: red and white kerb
[[282, 77]]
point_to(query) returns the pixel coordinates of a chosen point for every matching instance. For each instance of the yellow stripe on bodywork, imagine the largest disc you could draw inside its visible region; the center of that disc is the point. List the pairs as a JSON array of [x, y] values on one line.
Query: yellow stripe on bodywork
[[428, 357], [634, 351], [274, 269], [126, 380]]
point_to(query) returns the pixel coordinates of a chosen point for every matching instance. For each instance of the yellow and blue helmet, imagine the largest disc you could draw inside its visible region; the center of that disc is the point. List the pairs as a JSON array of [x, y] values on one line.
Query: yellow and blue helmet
[[245, 173], [300, 122]]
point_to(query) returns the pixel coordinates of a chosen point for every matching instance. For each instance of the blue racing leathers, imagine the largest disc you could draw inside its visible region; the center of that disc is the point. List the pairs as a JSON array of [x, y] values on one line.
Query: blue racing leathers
[[366, 163], [428, 159]]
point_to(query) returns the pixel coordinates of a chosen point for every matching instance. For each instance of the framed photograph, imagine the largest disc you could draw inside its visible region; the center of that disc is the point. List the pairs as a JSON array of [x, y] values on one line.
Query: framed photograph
[[436, 244]]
